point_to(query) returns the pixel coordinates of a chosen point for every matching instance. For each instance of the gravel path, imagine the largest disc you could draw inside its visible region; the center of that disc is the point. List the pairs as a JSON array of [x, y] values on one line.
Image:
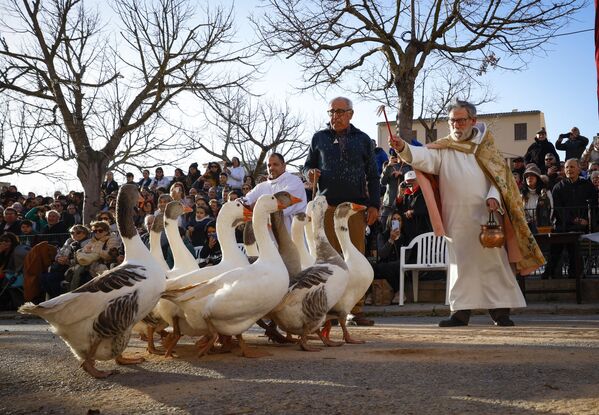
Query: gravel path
[[545, 365]]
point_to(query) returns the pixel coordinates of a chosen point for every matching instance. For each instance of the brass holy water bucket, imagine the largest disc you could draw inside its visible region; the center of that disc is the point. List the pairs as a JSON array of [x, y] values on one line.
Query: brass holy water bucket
[[491, 234]]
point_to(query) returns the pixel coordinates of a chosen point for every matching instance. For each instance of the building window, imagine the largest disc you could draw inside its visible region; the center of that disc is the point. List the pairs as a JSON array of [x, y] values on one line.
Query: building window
[[520, 131]]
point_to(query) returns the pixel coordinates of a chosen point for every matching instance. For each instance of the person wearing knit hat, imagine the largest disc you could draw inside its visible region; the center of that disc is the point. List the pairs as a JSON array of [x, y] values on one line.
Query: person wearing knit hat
[[537, 199], [536, 151]]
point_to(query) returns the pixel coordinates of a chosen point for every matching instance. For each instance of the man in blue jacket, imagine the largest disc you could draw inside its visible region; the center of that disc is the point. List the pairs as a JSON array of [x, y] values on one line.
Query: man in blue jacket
[[342, 161]]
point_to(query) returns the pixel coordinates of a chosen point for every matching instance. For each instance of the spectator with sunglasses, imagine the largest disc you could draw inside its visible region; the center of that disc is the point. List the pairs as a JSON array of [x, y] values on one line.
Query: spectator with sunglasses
[[212, 173]]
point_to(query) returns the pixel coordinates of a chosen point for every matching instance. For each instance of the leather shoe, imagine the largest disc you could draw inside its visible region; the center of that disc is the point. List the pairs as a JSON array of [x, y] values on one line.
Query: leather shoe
[[504, 322], [452, 322]]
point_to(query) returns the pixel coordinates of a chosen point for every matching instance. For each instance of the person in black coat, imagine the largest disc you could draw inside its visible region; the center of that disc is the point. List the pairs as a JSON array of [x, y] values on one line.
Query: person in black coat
[[539, 149], [575, 145], [572, 198], [109, 185]]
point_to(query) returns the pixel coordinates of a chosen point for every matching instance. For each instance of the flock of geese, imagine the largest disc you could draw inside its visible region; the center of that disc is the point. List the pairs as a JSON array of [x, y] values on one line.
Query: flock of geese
[[298, 282]]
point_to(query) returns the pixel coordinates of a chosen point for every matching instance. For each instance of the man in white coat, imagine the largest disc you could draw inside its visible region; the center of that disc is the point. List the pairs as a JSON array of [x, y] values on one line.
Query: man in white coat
[[479, 277], [280, 180]]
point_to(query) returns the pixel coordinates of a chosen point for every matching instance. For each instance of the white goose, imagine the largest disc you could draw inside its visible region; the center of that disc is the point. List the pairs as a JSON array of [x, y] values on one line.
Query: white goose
[[183, 260], [232, 302], [153, 322], [155, 245], [316, 289], [297, 235], [361, 273], [96, 319], [230, 215], [249, 240], [309, 230]]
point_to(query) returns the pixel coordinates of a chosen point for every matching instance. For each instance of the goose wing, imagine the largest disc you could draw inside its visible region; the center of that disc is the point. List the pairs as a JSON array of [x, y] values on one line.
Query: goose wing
[[91, 298]]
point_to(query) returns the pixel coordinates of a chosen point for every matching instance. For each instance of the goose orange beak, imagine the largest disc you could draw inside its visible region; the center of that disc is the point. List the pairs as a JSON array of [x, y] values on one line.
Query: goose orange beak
[[295, 200], [357, 207], [247, 214], [140, 201], [187, 209]]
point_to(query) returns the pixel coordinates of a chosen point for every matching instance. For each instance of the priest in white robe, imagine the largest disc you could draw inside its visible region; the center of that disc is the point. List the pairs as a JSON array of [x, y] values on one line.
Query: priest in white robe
[[474, 180]]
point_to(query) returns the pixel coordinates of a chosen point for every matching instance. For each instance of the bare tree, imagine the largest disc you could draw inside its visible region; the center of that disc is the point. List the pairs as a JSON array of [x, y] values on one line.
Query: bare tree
[[101, 91], [252, 128], [22, 142], [334, 39]]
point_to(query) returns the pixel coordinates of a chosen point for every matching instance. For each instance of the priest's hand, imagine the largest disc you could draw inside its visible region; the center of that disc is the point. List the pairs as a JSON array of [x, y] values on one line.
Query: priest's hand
[[492, 205], [397, 144], [372, 214]]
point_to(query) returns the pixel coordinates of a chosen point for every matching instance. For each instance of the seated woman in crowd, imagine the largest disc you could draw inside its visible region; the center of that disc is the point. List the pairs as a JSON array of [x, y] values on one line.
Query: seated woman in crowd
[[12, 257], [196, 226], [55, 282], [105, 245], [389, 243], [538, 202], [211, 253]]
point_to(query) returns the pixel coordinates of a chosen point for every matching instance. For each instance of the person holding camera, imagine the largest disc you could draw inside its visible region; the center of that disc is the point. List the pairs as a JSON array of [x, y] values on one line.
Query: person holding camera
[[389, 243], [391, 177], [574, 146], [411, 204]]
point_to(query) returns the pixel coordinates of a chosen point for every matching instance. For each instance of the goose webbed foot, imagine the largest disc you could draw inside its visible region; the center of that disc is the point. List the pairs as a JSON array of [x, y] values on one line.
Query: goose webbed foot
[[303, 341], [328, 342], [205, 344], [90, 367], [250, 351], [346, 336], [121, 360]]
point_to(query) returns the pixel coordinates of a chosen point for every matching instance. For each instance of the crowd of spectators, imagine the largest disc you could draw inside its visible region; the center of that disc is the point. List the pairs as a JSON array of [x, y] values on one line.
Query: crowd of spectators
[[560, 195]]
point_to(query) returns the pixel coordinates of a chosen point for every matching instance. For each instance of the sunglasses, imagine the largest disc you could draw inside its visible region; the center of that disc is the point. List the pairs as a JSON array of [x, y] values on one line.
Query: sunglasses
[[98, 230], [75, 232]]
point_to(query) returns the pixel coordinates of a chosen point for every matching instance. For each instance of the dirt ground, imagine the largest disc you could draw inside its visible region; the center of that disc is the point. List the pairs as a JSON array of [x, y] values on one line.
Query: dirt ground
[[545, 365]]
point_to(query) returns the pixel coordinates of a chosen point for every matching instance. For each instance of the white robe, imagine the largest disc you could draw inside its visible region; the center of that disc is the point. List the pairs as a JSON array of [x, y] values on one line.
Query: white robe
[[479, 278]]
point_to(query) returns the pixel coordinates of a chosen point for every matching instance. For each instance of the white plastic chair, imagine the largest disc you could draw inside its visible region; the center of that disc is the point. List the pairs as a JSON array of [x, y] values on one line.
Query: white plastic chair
[[431, 255]]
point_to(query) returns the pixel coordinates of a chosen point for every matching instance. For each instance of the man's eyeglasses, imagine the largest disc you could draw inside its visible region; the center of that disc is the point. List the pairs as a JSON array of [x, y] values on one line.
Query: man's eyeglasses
[[338, 112], [76, 232], [458, 121], [98, 230]]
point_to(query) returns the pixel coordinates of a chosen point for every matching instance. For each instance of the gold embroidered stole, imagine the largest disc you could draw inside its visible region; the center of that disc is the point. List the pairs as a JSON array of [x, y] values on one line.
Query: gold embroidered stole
[[520, 243]]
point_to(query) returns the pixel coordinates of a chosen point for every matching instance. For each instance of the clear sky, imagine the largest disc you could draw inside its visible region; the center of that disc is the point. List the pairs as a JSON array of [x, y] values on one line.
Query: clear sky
[[561, 83]]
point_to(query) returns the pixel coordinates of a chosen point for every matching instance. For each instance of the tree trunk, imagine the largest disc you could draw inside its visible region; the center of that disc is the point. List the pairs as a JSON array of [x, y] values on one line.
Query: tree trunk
[[91, 169], [405, 92]]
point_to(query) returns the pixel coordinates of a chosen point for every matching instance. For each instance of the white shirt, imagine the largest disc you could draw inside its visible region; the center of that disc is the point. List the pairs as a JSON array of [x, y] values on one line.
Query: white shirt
[[235, 177], [285, 182]]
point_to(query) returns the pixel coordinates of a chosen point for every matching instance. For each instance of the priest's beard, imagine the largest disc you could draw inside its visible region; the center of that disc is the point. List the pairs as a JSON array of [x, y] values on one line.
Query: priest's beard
[[462, 135]]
